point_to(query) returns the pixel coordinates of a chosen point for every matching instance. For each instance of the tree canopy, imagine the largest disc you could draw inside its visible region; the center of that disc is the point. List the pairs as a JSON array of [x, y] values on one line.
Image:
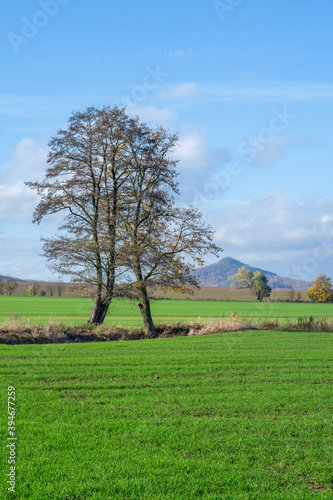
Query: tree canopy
[[114, 178], [321, 289], [259, 285], [242, 279]]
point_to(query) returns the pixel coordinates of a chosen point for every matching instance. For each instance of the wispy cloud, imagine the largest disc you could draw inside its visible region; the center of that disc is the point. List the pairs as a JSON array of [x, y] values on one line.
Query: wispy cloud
[[196, 160], [191, 149], [20, 258], [180, 91], [266, 93], [270, 153], [270, 92], [278, 229], [152, 114], [28, 162], [178, 54]]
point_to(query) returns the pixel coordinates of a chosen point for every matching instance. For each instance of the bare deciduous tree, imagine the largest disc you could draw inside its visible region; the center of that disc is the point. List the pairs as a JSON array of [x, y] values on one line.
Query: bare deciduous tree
[[114, 178], [60, 288], [163, 240], [88, 166], [11, 286]]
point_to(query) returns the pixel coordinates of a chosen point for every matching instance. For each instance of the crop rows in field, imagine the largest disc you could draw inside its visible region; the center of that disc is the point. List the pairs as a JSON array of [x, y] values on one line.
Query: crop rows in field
[[125, 313], [244, 415]]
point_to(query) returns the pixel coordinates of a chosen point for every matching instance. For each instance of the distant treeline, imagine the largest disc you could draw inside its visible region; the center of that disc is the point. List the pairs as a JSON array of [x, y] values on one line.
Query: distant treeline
[[60, 289]]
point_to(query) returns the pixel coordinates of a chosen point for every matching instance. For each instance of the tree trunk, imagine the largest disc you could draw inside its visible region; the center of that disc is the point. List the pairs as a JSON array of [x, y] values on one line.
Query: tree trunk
[[144, 307], [99, 311]]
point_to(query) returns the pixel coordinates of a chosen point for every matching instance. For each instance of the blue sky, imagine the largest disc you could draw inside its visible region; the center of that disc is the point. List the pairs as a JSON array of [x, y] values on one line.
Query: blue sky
[[248, 85]]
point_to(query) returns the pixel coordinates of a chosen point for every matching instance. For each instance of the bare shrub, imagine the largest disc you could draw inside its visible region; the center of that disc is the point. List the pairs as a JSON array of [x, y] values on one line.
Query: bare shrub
[[312, 324]]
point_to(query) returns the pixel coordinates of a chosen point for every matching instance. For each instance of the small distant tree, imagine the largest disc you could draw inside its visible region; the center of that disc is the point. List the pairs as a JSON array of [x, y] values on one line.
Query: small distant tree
[[257, 282], [321, 290], [242, 279], [259, 285], [50, 288], [33, 289], [60, 288], [2, 287], [11, 286]]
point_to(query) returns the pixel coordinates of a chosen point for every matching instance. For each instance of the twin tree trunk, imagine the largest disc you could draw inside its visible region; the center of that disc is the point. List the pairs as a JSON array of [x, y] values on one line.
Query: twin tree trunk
[[101, 307], [99, 311]]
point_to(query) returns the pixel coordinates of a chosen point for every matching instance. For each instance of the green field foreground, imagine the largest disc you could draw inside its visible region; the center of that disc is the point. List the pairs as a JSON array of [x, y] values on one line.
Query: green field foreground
[[126, 314], [244, 415]]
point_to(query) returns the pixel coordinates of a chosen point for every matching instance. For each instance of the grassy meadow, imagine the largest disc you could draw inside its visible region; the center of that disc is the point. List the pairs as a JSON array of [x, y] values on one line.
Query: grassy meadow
[[244, 415], [73, 310]]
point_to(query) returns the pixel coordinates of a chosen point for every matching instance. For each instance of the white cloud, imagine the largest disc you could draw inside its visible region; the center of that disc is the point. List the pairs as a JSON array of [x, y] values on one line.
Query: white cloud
[[263, 93], [29, 159], [326, 219], [268, 154], [17, 202], [280, 233], [197, 163], [191, 149], [285, 92], [20, 258], [272, 221], [152, 114], [28, 162], [180, 91]]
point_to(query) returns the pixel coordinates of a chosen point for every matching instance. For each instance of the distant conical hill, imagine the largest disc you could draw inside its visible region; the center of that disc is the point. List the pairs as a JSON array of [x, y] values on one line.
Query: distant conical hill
[[217, 275]]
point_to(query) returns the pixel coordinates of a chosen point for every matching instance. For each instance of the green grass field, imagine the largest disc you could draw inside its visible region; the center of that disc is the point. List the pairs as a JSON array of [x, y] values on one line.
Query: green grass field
[[126, 314], [244, 415]]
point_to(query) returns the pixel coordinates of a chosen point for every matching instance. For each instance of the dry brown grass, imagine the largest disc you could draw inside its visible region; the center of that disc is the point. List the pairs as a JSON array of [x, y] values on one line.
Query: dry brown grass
[[15, 331]]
